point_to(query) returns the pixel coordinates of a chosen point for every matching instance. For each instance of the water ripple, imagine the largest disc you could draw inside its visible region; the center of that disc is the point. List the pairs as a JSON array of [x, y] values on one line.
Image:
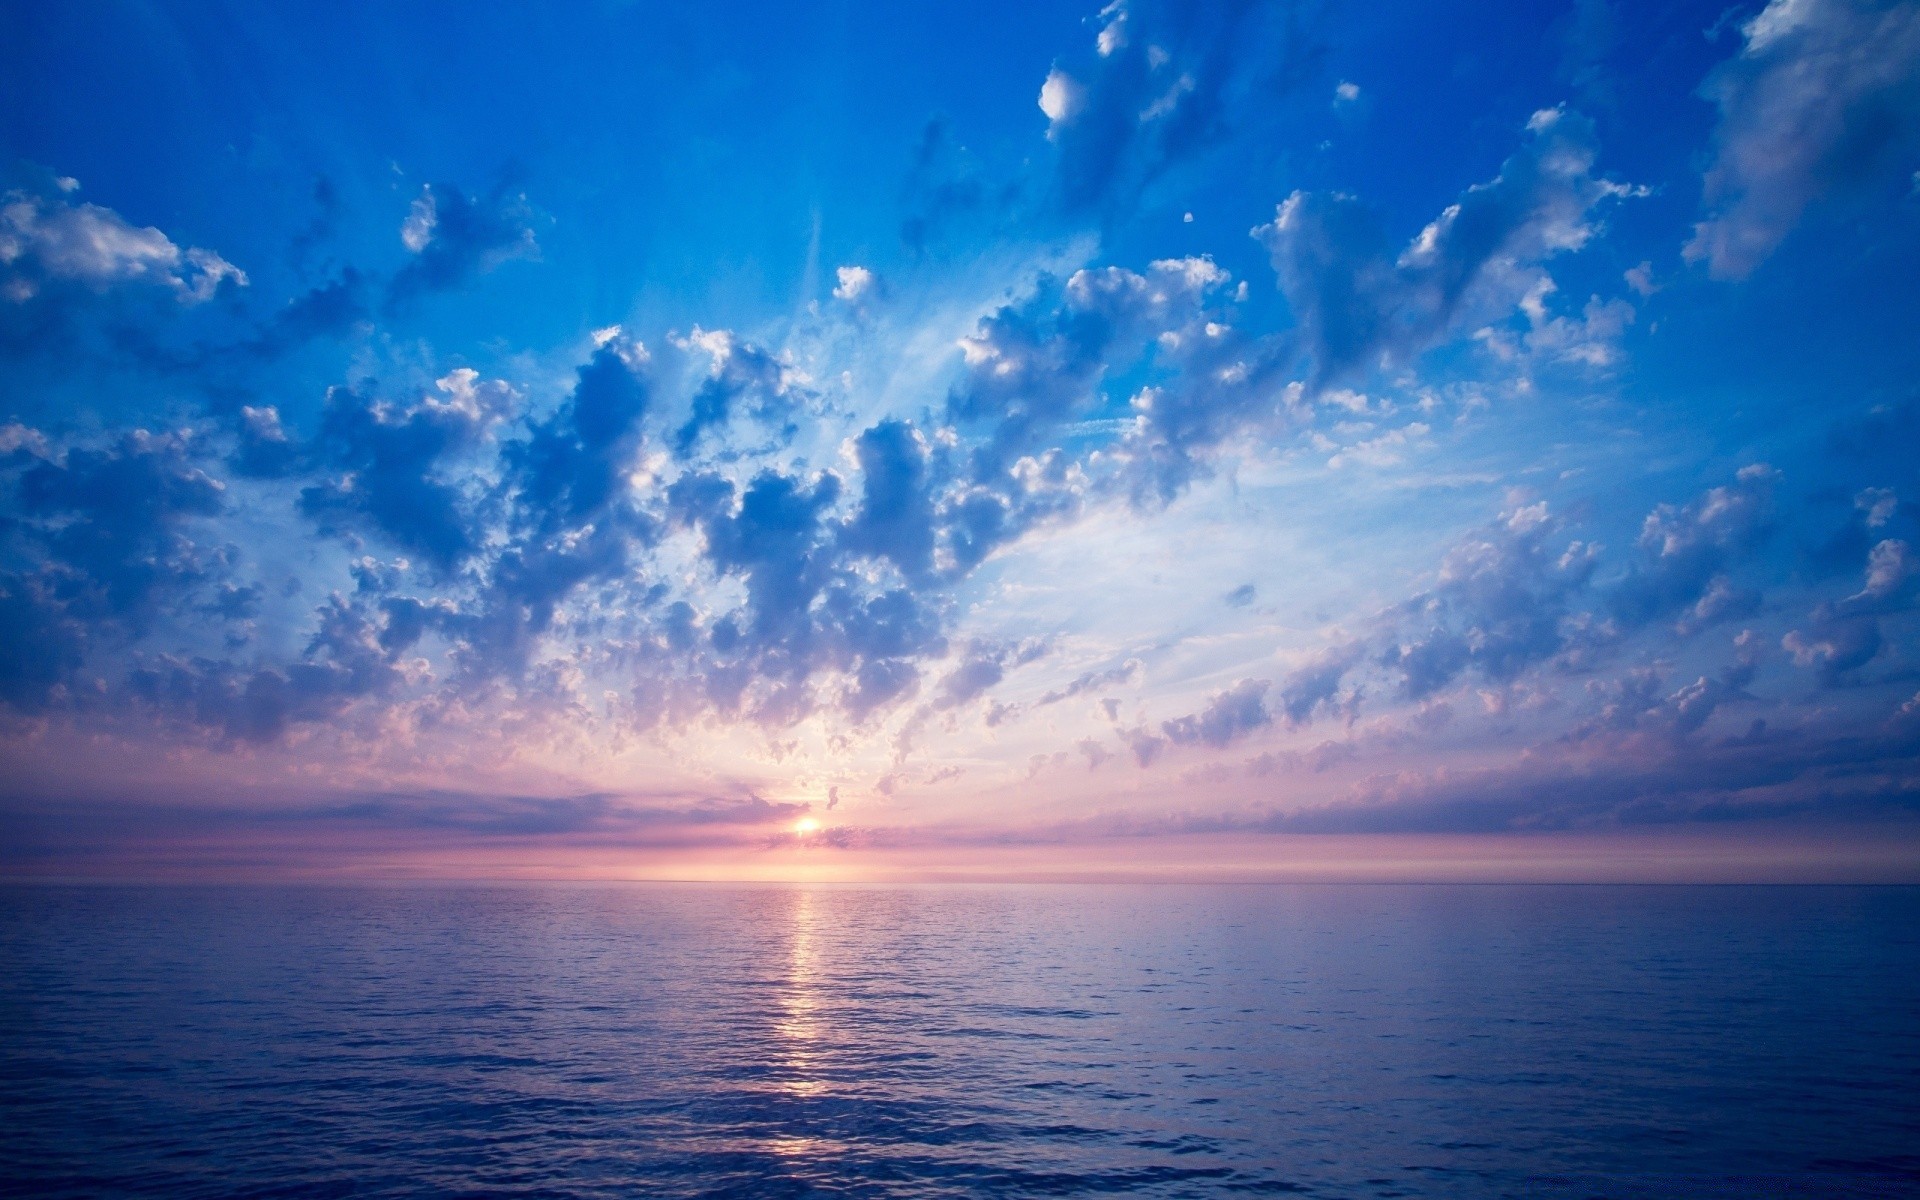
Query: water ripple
[[692, 1041]]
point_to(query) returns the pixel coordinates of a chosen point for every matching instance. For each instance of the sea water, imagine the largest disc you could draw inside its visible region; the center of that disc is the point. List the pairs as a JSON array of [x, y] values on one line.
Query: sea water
[[1156, 1040]]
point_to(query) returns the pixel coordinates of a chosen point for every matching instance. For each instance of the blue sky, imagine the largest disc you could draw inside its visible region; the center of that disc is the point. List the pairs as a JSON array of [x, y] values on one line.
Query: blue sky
[[629, 439]]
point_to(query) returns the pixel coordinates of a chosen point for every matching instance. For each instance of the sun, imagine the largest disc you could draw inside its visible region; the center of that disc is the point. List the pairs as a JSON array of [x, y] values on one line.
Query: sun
[[805, 825]]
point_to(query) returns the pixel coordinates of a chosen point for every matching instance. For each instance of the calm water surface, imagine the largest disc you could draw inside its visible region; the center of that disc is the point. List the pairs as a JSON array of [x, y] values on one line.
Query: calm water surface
[[687, 1040]]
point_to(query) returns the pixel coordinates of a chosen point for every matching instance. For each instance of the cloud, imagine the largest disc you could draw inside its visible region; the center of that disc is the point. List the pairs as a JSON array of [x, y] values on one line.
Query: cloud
[[896, 517], [387, 465], [1499, 606], [1166, 81], [572, 515], [1033, 365], [111, 525], [1713, 785], [330, 828], [454, 238], [1823, 97], [1835, 643], [1685, 550], [49, 240], [44, 644], [1357, 301], [947, 188], [1125, 673], [1228, 716], [739, 371], [1316, 684], [856, 283], [808, 613], [971, 678]]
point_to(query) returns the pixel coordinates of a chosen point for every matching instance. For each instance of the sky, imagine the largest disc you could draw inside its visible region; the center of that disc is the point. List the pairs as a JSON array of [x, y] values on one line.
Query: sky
[[871, 441]]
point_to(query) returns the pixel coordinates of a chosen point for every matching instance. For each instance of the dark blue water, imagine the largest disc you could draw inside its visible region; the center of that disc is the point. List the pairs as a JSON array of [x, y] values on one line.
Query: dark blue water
[[686, 1040]]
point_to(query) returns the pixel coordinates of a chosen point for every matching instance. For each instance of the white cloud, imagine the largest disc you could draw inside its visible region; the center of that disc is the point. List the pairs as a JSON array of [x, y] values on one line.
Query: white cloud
[[1113, 35], [855, 283], [48, 239], [1879, 504], [1061, 98], [1889, 564], [417, 230]]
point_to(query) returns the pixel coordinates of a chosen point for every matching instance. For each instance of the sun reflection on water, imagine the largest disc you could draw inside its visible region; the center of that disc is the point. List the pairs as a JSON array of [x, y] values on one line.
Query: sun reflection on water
[[802, 1027]]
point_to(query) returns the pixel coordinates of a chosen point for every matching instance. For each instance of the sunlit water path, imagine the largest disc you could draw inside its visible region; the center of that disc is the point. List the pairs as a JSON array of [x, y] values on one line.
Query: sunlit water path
[[691, 1040]]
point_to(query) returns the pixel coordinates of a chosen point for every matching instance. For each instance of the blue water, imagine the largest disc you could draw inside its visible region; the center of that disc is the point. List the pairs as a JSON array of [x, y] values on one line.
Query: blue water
[[690, 1040]]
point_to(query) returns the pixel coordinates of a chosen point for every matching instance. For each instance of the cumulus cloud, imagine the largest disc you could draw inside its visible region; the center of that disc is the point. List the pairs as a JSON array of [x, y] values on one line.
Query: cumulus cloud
[[50, 240], [387, 465], [1520, 595], [856, 282], [740, 376], [896, 517], [114, 522], [1685, 550], [1033, 365], [1824, 96]]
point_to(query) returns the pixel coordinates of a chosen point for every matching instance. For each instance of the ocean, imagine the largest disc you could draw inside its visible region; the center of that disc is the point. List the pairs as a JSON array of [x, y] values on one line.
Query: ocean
[[964, 1040]]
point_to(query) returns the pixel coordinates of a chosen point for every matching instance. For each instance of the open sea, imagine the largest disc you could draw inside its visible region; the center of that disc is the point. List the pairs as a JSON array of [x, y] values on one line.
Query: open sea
[[1044, 1040]]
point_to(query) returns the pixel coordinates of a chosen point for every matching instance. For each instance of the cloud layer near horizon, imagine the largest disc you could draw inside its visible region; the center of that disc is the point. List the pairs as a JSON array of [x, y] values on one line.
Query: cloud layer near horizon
[[1441, 501]]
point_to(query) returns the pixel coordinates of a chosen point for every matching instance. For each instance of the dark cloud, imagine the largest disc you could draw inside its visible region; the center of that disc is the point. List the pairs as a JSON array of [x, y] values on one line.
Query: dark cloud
[[741, 374], [572, 518], [1315, 686], [1357, 300], [970, 679], [387, 466], [1228, 716], [1686, 550], [807, 613], [1032, 366], [352, 654], [895, 520], [1615, 779], [878, 684], [41, 643], [326, 310], [80, 284], [327, 212], [263, 448], [1835, 643], [1145, 746], [330, 827], [1519, 594], [1126, 672], [948, 188], [455, 238], [1500, 606], [1167, 81], [112, 523]]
